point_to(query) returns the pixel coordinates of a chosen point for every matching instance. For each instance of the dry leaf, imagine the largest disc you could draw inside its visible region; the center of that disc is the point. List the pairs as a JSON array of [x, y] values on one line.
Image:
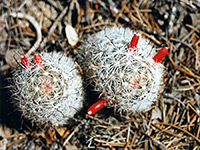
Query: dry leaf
[[71, 35], [49, 136], [5, 131], [71, 147], [63, 132]]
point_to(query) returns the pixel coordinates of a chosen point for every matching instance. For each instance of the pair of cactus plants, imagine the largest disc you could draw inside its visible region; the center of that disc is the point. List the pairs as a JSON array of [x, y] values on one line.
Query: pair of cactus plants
[[126, 71]]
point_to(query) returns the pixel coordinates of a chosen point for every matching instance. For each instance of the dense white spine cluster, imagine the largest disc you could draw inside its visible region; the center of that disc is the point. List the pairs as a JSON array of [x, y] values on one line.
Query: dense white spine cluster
[[51, 93], [129, 79]]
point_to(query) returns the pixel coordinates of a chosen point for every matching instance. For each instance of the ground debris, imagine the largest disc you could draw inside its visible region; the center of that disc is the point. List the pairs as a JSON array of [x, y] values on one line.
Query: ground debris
[[172, 123]]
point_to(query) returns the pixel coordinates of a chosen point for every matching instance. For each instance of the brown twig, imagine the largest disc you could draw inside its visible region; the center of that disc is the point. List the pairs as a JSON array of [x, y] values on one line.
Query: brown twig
[[183, 130], [96, 25], [38, 33], [53, 27]]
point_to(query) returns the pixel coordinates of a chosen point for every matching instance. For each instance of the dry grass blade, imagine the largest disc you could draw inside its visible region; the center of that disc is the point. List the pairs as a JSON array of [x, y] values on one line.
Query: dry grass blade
[[152, 38], [96, 25], [122, 9], [183, 130], [190, 73], [53, 27], [68, 138], [38, 33]]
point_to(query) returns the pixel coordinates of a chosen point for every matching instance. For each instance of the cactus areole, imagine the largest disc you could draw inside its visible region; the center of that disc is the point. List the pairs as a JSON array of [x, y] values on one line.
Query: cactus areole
[[124, 67]]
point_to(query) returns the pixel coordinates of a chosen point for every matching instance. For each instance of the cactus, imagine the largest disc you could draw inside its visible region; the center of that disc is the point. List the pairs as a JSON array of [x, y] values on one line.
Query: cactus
[[48, 91], [126, 71]]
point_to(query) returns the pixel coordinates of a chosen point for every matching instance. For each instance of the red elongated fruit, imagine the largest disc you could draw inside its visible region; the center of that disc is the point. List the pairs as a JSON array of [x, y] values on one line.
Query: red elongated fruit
[[97, 106], [132, 46], [25, 61], [160, 55], [38, 60]]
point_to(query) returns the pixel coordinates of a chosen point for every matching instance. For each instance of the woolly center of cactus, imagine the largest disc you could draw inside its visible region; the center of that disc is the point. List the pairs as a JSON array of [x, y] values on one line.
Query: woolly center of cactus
[[46, 86], [137, 80], [42, 84]]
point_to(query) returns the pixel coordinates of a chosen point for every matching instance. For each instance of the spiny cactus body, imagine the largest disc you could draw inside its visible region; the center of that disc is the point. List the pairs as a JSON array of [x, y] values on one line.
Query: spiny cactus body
[[49, 90], [125, 72]]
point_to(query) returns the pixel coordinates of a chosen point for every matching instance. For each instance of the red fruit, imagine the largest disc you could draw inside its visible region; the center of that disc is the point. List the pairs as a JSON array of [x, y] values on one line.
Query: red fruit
[[160, 55], [25, 61], [38, 60], [97, 106], [132, 46]]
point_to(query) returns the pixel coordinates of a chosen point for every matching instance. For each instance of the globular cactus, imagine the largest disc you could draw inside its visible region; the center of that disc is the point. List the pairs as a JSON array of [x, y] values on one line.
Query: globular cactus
[[126, 71], [49, 90]]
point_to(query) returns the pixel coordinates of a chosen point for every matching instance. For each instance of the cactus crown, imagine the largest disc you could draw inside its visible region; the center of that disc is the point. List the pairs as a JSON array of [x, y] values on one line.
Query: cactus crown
[[50, 90], [124, 71]]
